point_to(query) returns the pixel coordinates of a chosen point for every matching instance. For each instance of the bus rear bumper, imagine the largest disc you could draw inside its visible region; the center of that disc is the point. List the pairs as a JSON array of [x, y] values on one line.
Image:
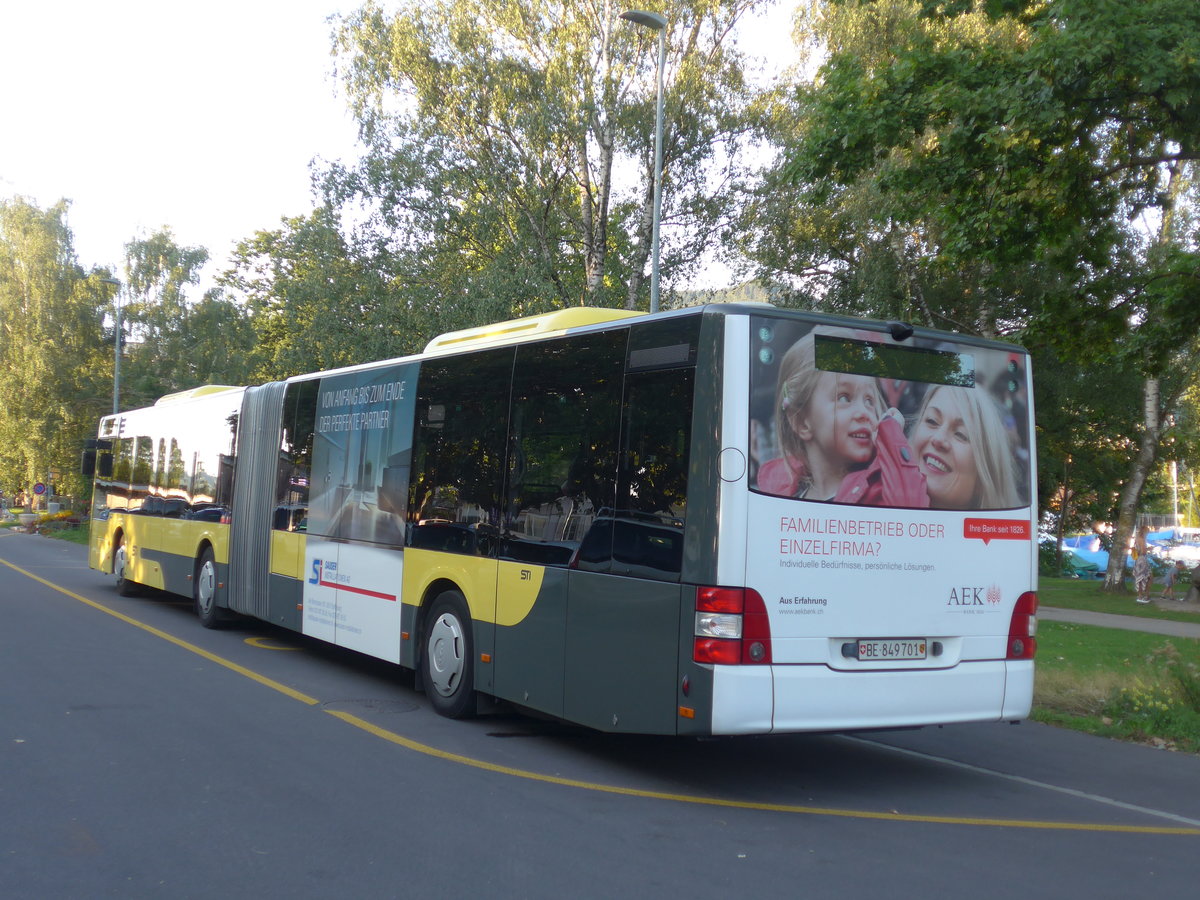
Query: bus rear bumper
[[794, 698]]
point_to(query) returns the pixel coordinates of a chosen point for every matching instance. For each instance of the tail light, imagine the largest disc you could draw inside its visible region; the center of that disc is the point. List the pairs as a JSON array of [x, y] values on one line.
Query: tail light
[[1022, 630], [731, 627]]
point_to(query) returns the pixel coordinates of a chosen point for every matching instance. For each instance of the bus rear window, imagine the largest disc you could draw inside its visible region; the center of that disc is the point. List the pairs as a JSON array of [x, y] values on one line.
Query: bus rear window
[[842, 415], [922, 364]]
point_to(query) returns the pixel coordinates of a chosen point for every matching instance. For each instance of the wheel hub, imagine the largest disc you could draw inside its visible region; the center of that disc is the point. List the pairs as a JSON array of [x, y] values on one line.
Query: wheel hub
[[205, 586], [446, 654]]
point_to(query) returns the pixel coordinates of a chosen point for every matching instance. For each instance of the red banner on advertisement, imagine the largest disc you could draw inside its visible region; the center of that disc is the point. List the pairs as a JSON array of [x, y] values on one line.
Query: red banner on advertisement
[[997, 529]]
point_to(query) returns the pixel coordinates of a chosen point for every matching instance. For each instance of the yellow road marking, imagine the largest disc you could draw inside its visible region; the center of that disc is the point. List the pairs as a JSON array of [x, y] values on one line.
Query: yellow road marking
[[744, 804], [178, 642], [268, 644], [509, 771]]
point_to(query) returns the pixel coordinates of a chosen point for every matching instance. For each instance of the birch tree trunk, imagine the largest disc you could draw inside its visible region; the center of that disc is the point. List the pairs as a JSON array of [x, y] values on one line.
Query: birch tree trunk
[[1131, 492], [1153, 415]]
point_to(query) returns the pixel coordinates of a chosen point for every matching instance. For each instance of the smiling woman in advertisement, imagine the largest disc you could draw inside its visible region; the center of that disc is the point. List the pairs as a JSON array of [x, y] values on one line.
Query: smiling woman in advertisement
[[963, 450]]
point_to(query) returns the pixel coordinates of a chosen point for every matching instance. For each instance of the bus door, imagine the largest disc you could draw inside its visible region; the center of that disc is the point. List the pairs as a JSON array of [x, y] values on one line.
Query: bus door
[[622, 645], [564, 425]]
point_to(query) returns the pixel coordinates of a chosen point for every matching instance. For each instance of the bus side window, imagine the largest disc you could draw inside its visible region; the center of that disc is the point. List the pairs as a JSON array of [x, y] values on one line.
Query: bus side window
[[159, 482], [563, 444], [458, 453], [178, 479], [647, 524], [295, 457], [116, 489], [143, 472], [223, 484]]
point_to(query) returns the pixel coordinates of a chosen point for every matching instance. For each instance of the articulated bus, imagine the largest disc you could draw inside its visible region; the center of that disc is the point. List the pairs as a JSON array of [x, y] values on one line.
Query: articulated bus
[[728, 519]]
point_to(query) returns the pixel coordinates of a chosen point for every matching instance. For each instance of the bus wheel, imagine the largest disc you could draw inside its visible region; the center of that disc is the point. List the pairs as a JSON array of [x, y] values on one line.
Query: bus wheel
[[125, 587], [449, 657], [204, 591]]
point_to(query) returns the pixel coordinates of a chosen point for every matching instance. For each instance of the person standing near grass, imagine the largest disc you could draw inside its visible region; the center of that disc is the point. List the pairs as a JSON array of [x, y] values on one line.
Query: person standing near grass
[[1142, 576], [1169, 580]]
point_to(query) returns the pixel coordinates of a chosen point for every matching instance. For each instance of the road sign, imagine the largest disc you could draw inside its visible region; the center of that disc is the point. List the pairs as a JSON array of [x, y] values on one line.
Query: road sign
[[39, 489]]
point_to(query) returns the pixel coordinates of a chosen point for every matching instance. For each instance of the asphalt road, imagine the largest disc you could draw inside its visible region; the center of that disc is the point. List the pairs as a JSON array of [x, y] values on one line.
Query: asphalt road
[[143, 756]]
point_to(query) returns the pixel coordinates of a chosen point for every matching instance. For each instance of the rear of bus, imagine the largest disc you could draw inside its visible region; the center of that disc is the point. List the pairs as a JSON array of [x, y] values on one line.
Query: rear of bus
[[883, 527]]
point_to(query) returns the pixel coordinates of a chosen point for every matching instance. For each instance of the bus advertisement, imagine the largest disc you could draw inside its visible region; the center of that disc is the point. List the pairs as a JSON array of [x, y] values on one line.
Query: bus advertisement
[[729, 519], [912, 541]]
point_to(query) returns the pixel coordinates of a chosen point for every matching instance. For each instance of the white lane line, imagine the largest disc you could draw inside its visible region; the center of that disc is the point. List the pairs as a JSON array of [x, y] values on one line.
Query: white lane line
[[1029, 782]]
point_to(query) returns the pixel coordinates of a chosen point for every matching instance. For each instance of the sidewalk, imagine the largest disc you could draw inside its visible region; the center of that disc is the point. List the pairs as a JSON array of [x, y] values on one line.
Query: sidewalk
[[1129, 623]]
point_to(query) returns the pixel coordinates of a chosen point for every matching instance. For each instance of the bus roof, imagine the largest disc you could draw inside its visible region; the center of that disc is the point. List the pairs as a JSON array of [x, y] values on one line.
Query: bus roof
[[549, 323], [192, 393]]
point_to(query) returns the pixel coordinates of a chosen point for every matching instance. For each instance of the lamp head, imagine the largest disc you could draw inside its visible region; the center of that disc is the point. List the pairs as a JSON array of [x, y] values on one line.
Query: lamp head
[[650, 19]]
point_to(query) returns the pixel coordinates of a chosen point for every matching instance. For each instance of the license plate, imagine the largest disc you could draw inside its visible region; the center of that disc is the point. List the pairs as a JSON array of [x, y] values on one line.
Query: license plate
[[893, 648]]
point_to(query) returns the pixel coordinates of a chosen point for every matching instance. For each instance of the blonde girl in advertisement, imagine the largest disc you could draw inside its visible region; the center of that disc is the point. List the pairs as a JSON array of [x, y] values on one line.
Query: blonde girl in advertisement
[[832, 428]]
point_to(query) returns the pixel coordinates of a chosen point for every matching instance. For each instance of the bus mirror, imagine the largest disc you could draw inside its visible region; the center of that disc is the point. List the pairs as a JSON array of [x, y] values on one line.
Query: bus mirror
[[96, 452]]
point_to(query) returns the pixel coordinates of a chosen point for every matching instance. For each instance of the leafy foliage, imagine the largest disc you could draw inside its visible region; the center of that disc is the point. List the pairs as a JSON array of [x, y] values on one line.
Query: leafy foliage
[[1012, 167], [314, 301], [50, 341], [175, 343], [493, 131]]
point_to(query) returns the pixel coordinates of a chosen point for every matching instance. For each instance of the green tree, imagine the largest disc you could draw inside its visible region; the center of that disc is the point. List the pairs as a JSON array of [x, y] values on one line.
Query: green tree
[[317, 300], [495, 132], [54, 378], [175, 342], [1023, 163], [219, 342], [158, 274], [1084, 436]]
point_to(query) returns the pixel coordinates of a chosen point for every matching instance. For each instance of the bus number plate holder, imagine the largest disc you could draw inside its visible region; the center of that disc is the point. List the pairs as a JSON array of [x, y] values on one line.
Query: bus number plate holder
[[892, 648]]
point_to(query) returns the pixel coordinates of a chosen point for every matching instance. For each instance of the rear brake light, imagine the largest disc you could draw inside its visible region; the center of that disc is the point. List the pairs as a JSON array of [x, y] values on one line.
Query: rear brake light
[[715, 650], [1022, 629], [731, 627], [720, 600]]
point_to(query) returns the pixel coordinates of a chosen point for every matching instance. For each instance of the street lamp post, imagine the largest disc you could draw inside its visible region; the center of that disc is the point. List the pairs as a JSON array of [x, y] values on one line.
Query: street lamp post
[[658, 23], [116, 342]]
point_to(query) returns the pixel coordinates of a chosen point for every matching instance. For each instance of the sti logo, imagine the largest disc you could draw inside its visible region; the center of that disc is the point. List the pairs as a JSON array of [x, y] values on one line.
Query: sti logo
[[320, 569]]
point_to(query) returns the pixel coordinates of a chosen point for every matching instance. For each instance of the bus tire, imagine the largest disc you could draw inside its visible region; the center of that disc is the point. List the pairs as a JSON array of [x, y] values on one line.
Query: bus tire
[[448, 657], [204, 592], [125, 587]]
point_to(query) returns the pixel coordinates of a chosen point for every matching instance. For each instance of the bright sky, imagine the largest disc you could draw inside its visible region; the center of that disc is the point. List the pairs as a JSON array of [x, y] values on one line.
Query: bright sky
[[200, 117], [144, 113]]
